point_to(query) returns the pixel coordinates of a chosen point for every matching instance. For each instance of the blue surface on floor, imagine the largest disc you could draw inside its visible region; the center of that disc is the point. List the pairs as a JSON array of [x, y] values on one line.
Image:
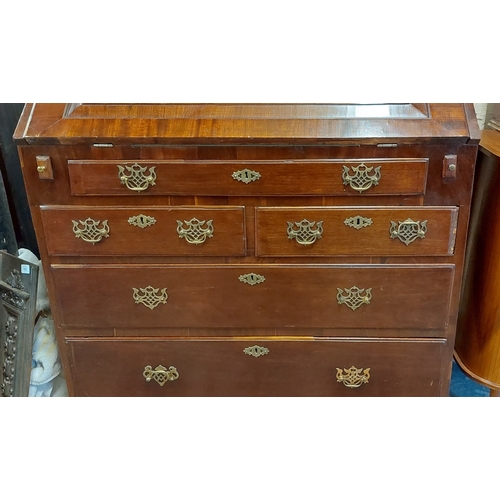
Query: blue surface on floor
[[462, 386]]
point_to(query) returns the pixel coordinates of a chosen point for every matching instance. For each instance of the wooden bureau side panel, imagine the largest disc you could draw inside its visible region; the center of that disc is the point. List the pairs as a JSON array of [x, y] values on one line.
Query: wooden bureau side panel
[[291, 367], [339, 238], [413, 297], [159, 238], [275, 178]]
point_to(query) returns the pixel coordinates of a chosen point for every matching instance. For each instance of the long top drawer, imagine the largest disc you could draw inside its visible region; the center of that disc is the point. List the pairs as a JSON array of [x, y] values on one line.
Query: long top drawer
[[249, 178]]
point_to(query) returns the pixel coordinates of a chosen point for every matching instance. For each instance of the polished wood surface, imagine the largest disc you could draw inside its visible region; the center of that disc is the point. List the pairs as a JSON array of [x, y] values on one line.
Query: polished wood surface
[[478, 335], [160, 238], [292, 367], [243, 123], [291, 296], [248, 168], [339, 238], [215, 178]]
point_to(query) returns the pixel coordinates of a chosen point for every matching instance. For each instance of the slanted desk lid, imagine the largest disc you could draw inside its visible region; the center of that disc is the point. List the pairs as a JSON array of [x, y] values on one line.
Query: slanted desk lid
[[245, 123]]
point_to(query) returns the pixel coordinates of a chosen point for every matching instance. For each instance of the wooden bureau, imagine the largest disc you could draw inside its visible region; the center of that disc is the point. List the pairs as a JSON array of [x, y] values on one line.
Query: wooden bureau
[[252, 250]]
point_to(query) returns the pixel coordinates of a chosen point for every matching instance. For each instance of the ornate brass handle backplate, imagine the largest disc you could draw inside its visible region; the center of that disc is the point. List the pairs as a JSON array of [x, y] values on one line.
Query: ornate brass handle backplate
[[353, 297], [362, 177], [408, 231], [134, 178], [160, 374], [150, 297], [304, 231], [194, 233], [88, 230], [353, 377]]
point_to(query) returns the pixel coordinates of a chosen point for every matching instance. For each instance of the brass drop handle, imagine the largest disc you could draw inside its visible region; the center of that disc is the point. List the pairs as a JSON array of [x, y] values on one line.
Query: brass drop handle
[[361, 178], [305, 232], [150, 297], [354, 297], [194, 232], [408, 231], [353, 377], [88, 230], [160, 374], [134, 177]]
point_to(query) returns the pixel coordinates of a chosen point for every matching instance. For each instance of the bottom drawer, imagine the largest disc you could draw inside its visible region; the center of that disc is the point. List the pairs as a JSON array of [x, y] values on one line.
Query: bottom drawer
[[257, 367]]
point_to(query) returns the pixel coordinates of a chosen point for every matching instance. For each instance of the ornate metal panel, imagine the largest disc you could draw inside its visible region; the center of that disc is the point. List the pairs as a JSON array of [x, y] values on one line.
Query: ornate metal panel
[[353, 297], [353, 377], [246, 176], [361, 179], [408, 231], [142, 221], [150, 297], [304, 232], [256, 351], [194, 233], [135, 179], [252, 279], [89, 230], [160, 374], [358, 222], [18, 282]]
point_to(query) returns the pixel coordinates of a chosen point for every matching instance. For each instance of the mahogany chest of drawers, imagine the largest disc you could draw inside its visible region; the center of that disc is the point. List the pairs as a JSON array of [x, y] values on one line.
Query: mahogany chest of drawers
[[252, 250]]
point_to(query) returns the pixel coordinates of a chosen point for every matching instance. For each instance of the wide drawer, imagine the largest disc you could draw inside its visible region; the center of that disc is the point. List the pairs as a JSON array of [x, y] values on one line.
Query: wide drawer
[[260, 296], [257, 367], [405, 176], [309, 232], [144, 230]]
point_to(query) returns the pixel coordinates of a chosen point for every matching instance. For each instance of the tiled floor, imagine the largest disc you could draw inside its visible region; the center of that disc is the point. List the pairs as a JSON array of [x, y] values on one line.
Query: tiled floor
[[462, 386]]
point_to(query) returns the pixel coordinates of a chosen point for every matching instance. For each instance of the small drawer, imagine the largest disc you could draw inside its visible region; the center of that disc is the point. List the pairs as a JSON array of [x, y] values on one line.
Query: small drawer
[[214, 231], [322, 232], [361, 177], [257, 367], [261, 296]]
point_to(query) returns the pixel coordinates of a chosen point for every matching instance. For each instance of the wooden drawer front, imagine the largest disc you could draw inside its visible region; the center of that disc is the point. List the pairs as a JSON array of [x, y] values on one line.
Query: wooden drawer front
[[144, 231], [231, 296], [310, 232], [285, 367], [249, 178]]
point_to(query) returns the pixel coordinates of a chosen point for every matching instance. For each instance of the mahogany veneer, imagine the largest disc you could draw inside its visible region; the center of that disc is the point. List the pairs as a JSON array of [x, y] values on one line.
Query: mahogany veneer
[[252, 250]]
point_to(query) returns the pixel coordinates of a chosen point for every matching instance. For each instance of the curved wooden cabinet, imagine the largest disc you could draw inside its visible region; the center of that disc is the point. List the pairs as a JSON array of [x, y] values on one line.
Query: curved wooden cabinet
[[478, 334], [252, 250]]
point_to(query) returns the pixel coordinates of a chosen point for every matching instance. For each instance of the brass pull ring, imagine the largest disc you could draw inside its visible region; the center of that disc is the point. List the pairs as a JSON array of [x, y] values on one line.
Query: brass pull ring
[[362, 179], [353, 377], [160, 374], [89, 231], [135, 179], [304, 232], [408, 231], [195, 233]]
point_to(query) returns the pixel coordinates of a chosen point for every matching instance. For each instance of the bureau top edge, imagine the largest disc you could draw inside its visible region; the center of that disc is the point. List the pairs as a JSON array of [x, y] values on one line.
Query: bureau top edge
[[266, 124]]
